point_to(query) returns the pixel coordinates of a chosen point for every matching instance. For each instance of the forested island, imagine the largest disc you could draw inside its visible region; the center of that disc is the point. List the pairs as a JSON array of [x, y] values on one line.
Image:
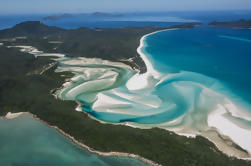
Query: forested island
[[240, 24], [25, 88]]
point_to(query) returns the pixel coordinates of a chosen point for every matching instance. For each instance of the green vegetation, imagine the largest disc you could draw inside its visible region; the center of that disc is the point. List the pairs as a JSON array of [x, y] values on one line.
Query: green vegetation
[[22, 92], [240, 24], [111, 44]]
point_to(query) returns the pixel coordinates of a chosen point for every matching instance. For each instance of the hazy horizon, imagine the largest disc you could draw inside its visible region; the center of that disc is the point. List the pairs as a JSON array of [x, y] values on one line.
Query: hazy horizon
[[88, 6]]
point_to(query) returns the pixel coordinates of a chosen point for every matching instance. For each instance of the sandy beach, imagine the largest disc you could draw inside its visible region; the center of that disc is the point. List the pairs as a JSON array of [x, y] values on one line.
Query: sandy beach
[[216, 119], [34, 51], [239, 135]]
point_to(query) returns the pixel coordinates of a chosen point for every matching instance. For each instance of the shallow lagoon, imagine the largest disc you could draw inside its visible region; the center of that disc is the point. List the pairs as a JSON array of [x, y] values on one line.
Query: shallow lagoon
[[200, 74]]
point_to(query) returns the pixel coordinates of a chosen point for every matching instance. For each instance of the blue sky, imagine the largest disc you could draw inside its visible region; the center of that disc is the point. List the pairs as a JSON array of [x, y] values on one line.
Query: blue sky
[[77, 6]]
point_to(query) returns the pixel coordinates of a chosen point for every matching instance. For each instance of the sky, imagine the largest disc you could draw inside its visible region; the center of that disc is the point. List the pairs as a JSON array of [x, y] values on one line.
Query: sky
[[84, 6]]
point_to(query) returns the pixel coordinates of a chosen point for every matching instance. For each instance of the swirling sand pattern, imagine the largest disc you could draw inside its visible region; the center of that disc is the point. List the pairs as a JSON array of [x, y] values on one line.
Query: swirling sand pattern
[[184, 102]]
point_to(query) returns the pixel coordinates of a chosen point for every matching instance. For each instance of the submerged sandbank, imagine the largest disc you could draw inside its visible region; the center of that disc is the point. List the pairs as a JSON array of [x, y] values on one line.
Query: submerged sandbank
[[135, 102]]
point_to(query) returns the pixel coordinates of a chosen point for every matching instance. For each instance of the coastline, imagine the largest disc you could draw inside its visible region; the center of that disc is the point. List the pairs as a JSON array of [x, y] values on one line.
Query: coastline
[[218, 128], [10, 116], [141, 81]]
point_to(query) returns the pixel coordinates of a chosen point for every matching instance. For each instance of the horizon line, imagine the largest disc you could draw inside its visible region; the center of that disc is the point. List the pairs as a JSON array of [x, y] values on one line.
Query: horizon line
[[128, 12]]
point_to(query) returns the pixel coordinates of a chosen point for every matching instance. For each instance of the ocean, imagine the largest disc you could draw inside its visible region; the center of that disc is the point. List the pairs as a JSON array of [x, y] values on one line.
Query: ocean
[[139, 19]]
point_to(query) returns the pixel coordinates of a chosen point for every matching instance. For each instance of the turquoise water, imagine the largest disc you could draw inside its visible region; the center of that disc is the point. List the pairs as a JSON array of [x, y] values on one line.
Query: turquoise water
[[197, 71], [223, 54], [25, 141], [203, 56]]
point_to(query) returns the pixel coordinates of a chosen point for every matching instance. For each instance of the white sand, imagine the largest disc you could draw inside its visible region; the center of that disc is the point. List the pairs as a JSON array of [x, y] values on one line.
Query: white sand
[[236, 112], [34, 51], [51, 54], [21, 37], [139, 82], [79, 107], [104, 101], [90, 85], [187, 135], [149, 66], [150, 100], [27, 49], [123, 95], [55, 42], [240, 136], [142, 81], [1, 44], [93, 61], [13, 115]]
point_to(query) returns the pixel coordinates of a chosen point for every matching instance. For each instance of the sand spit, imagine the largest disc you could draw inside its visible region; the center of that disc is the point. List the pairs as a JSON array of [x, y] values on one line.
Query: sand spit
[[145, 80], [225, 127], [34, 51], [13, 115], [27, 49]]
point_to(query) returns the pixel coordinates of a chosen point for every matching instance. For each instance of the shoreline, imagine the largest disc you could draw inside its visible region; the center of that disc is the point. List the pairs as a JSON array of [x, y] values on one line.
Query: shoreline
[[219, 128], [149, 66], [145, 83], [10, 116], [152, 72], [141, 81], [228, 128]]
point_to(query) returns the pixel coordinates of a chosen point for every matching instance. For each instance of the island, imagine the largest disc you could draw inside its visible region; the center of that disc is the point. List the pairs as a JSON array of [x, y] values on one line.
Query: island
[[57, 17], [90, 15], [103, 14], [28, 84], [240, 24]]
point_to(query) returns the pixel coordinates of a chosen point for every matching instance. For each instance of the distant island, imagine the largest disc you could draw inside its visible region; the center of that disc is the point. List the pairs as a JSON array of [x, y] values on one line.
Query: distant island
[[58, 17], [186, 25], [28, 84], [95, 14], [102, 14], [240, 24]]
